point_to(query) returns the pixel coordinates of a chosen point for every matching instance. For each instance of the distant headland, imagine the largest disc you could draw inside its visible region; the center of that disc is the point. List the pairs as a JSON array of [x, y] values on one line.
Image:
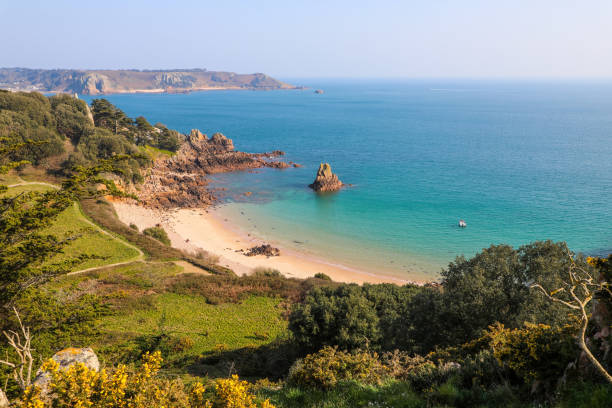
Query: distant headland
[[96, 82]]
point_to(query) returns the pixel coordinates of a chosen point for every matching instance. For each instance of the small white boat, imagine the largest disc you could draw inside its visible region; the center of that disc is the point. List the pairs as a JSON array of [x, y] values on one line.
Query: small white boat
[[462, 224]]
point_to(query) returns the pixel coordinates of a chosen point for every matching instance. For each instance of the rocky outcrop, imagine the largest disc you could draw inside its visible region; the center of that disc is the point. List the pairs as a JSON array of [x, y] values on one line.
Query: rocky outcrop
[[326, 180], [182, 180], [65, 359]]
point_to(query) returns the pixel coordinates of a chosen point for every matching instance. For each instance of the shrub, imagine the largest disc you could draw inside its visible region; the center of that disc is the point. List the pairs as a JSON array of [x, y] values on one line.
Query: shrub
[[325, 368], [158, 233], [535, 352], [205, 256], [322, 276], [79, 386], [340, 316], [134, 226], [269, 272]]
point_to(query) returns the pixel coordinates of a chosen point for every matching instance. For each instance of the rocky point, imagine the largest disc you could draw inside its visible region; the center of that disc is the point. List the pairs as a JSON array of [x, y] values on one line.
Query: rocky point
[[182, 180]]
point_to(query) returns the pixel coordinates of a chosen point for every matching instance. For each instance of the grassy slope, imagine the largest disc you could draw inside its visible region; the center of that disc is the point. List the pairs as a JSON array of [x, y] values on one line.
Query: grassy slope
[[90, 240], [211, 327], [144, 305]]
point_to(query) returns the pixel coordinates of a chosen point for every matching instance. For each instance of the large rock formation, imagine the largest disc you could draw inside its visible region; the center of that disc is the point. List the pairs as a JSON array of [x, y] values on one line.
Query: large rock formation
[[65, 359], [182, 180], [326, 180]]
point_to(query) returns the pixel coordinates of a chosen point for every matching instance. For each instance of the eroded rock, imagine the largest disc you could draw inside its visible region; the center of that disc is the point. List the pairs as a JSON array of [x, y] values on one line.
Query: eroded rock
[[326, 180]]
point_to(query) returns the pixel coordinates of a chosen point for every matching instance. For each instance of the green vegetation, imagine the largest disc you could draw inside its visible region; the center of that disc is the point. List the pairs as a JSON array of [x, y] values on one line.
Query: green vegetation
[[158, 233], [507, 327]]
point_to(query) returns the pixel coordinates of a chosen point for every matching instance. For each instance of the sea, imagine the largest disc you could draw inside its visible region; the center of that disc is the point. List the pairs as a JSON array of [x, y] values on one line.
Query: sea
[[518, 160]]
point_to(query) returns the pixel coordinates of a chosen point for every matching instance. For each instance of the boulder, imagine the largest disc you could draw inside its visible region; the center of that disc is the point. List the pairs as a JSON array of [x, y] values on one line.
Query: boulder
[[4, 402], [65, 359], [326, 180]]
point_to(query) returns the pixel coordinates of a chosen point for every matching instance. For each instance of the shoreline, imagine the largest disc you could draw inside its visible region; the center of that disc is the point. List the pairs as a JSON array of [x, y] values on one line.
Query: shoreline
[[192, 229]]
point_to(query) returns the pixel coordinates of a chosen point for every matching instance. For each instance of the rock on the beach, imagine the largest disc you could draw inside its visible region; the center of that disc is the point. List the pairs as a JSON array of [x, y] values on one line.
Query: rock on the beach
[[65, 359], [326, 180], [265, 249]]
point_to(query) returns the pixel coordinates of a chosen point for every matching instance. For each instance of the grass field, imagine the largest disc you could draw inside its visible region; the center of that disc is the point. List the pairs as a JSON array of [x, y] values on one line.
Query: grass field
[[91, 241], [104, 248], [211, 327], [148, 312]]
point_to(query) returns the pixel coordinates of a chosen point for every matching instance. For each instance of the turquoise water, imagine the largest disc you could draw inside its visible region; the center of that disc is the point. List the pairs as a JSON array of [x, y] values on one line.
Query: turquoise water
[[519, 161]]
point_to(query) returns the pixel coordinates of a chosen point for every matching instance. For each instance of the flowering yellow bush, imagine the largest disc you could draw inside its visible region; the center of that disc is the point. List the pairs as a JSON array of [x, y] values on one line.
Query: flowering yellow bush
[[81, 387]]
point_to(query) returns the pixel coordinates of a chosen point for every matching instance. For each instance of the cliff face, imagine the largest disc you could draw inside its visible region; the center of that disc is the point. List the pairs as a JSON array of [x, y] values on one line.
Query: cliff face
[[94, 82], [182, 180]]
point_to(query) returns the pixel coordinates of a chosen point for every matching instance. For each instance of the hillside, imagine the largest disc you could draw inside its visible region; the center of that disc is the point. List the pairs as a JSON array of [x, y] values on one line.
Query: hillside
[[169, 326], [95, 82]]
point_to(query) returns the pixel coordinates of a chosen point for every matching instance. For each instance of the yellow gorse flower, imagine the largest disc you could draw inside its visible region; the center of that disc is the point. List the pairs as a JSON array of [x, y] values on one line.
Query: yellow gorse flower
[[80, 387]]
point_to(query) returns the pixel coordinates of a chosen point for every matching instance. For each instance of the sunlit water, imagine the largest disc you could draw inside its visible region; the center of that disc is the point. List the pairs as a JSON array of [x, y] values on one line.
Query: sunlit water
[[519, 161]]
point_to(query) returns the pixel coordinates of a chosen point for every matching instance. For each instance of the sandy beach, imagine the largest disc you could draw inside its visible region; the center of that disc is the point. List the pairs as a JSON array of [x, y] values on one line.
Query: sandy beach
[[191, 229]]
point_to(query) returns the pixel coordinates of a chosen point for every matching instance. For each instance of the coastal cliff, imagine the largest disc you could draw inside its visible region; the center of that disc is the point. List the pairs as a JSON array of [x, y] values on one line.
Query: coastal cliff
[[182, 180], [95, 82]]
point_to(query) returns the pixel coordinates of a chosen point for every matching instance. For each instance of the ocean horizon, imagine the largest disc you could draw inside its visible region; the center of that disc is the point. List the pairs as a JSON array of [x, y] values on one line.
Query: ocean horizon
[[518, 160]]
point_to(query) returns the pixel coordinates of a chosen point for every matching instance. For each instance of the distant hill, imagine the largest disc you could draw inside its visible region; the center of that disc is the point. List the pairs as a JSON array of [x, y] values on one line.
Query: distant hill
[[95, 82]]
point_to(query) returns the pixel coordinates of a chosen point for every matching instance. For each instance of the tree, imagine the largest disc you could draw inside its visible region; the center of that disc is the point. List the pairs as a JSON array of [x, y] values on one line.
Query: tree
[[340, 316], [493, 286], [576, 292], [25, 248], [108, 116]]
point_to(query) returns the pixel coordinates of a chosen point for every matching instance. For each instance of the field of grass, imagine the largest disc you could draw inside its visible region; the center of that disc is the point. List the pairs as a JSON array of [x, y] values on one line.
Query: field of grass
[[104, 248], [91, 241], [210, 327], [148, 311]]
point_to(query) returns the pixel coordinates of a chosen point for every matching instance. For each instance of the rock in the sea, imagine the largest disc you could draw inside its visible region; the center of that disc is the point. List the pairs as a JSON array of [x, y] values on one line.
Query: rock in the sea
[[4, 402], [318, 91], [65, 359], [326, 180]]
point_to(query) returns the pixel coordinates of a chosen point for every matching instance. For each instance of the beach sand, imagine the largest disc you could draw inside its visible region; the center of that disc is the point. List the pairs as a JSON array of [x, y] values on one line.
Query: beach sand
[[190, 229]]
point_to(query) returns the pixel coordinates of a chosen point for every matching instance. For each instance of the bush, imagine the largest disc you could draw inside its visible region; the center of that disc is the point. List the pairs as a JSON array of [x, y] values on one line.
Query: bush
[[352, 317], [79, 386], [268, 272], [322, 276], [535, 352], [158, 233], [325, 368]]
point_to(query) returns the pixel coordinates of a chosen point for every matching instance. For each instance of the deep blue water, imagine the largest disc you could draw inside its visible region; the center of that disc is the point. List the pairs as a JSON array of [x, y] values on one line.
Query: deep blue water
[[519, 161]]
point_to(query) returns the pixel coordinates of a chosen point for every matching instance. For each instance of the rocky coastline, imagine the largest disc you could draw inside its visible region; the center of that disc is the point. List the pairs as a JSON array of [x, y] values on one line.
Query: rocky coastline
[[181, 181]]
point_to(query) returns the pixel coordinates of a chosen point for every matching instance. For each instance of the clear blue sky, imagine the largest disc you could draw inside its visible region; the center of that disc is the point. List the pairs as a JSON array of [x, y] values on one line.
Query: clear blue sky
[[312, 38]]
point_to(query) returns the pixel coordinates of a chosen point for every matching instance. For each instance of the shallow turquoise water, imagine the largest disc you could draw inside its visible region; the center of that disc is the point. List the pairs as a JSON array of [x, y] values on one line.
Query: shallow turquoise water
[[519, 161]]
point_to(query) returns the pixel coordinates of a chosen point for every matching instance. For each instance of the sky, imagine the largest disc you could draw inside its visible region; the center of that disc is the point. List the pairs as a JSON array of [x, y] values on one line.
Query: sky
[[313, 38]]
